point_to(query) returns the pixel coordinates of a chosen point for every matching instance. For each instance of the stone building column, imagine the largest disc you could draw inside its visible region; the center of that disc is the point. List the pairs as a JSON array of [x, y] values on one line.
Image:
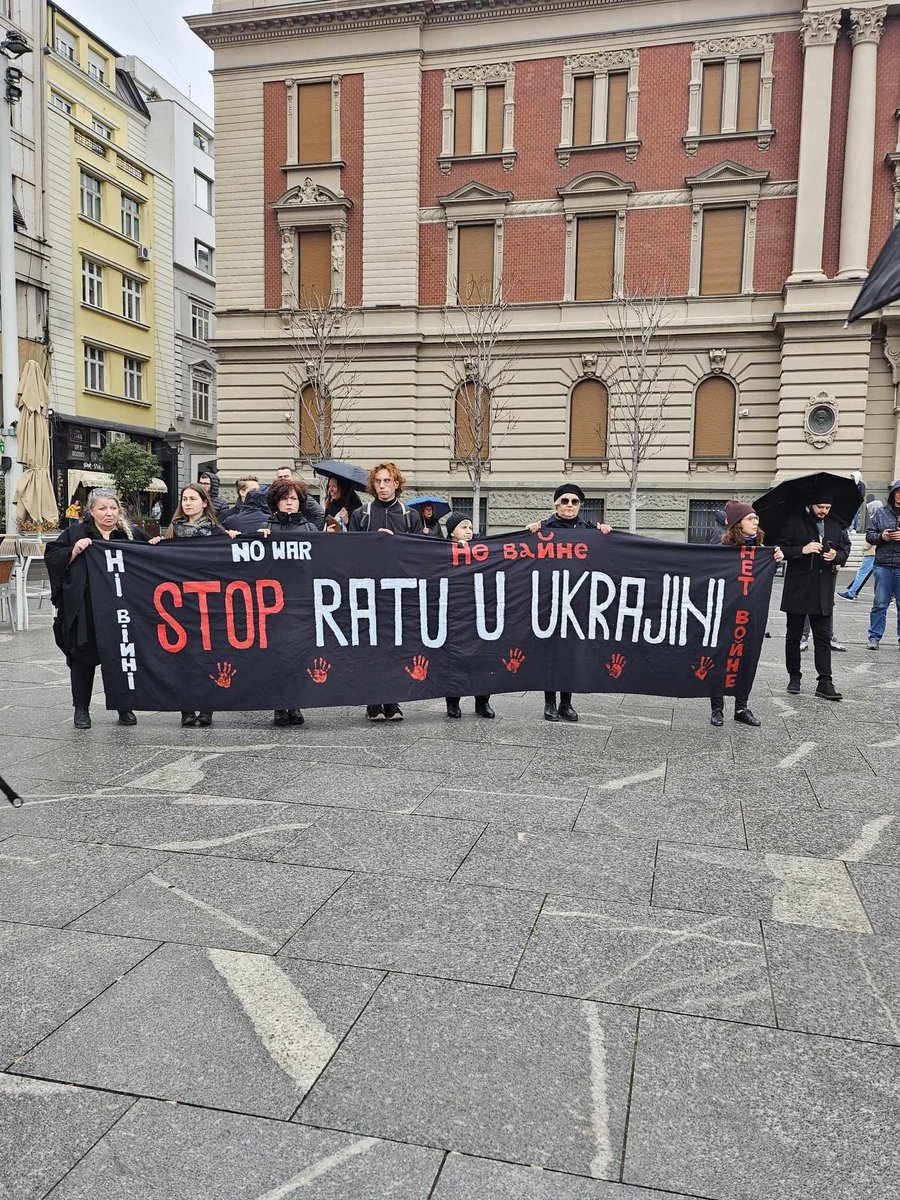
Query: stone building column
[[819, 32], [856, 203]]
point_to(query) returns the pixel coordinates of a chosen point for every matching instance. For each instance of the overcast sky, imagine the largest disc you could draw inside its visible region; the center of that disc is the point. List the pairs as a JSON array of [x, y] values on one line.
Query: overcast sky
[[155, 32]]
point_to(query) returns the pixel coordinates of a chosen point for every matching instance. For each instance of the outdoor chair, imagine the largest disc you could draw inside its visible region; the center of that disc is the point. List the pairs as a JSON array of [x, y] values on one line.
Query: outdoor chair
[[7, 589]]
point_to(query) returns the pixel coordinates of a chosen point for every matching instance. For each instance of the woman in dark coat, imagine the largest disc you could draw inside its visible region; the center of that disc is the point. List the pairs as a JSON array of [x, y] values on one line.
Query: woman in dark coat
[[70, 591], [567, 500], [340, 501], [461, 529], [430, 524]]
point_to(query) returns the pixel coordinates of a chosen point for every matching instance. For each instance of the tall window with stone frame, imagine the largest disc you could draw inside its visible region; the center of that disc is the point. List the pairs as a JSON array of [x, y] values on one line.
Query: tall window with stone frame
[[201, 315], [314, 123], [91, 283], [131, 218], [467, 404], [314, 267], [595, 257], [315, 443], [90, 192], [134, 379], [200, 398], [715, 406], [588, 420], [492, 116], [132, 298], [745, 115], [722, 251], [584, 132], [475, 263], [94, 369]]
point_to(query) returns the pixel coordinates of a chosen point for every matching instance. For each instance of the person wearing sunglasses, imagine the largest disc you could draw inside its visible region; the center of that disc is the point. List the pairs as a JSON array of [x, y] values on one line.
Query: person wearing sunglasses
[[567, 500]]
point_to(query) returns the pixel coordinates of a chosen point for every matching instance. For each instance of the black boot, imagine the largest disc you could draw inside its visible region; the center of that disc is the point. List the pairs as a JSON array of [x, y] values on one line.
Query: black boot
[[127, 717], [281, 717], [717, 716], [453, 709], [204, 718], [188, 720], [295, 716], [82, 718], [483, 707], [565, 710], [550, 713], [825, 691], [794, 685], [746, 717]]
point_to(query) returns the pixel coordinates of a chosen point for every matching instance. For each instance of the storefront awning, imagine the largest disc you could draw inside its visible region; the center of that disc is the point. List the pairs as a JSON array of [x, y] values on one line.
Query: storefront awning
[[90, 479], [156, 485]]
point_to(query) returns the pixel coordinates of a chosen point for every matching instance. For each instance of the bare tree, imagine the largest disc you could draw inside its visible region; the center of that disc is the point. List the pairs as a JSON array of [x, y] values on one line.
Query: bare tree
[[483, 365], [639, 383], [321, 377]]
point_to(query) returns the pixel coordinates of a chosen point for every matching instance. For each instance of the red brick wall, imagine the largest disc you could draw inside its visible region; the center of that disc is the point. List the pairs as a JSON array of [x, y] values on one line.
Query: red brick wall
[[774, 244], [887, 100], [432, 264], [658, 250], [534, 256]]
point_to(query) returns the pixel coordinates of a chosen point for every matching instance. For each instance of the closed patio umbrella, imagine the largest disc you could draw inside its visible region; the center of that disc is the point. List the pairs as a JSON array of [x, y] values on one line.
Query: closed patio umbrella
[[34, 497]]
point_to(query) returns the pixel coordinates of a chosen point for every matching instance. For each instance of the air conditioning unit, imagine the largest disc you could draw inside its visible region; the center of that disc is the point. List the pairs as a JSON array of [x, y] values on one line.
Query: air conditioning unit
[[114, 435], [143, 253]]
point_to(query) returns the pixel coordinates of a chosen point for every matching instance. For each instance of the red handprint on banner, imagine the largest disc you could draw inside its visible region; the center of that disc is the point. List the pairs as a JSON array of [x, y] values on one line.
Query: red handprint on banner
[[515, 660], [616, 665], [419, 670], [703, 668], [226, 673], [318, 672]]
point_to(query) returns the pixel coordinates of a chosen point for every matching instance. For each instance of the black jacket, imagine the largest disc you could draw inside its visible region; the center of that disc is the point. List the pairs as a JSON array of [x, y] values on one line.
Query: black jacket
[[887, 554], [809, 580], [249, 516], [297, 524], [70, 592], [218, 504], [558, 522], [369, 518]]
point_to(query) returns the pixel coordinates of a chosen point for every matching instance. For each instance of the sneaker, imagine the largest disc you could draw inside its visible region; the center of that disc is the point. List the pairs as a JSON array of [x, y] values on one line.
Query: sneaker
[[873, 644], [375, 712], [393, 712], [846, 595], [836, 645], [804, 643], [825, 691]]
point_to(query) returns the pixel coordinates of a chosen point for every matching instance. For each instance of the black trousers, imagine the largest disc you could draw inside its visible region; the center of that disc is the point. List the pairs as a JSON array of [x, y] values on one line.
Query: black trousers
[[717, 703], [456, 699], [564, 697], [82, 675], [821, 632]]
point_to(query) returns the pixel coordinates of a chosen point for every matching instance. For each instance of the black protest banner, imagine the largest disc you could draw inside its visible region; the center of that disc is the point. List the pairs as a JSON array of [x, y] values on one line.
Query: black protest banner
[[372, 618]]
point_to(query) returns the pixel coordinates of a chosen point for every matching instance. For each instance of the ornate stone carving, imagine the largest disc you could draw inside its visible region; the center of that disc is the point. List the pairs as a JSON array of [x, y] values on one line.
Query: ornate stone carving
[[287, 258], [483, 73], [731, 46], [337, 252], [893, 161], [891, 349], [717, 361], [820, 28], [820, 422], [659, 199], [589, 364], [602, 60], [866, 24]]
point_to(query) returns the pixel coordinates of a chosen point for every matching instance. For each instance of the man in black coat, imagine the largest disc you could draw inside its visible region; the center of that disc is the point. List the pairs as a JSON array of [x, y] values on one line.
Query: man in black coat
[[815, 546], [252, 510]]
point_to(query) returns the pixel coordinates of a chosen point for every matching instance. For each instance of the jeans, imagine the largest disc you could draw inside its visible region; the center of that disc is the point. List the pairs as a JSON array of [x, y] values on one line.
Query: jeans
[[865, 570], [887, 588], [821, 631]]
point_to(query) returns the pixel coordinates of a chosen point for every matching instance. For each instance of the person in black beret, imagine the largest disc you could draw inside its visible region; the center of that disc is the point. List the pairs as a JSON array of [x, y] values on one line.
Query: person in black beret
[[567, 500], [460, 529]]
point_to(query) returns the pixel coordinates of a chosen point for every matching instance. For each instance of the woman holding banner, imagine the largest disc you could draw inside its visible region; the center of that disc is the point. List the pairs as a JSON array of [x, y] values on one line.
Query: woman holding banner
[[70, 592]]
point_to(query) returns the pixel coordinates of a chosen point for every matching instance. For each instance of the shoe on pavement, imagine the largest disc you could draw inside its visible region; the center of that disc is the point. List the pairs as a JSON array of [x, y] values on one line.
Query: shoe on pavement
[[873, 644], [127, 717], [550, 713], [846, 595], [568, 713], [836, 645], [393, 712], [280, 718], [804, 643], [794, 685], [188, 720], [82, 718], [745, 717], [483, 709], [375, 712], [295, 716], [204, 718], [825, 691], [453, 709], [717, 718]]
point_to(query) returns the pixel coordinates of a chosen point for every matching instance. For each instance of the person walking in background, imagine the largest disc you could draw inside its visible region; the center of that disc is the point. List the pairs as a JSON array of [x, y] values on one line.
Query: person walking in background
[[867, 562], [741, 529], [461, 529], [210, 481], [70, 592], [883, 532]]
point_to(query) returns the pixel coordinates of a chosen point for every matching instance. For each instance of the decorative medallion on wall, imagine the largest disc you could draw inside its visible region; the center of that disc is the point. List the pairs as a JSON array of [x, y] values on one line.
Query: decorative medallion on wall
[[821, 421]]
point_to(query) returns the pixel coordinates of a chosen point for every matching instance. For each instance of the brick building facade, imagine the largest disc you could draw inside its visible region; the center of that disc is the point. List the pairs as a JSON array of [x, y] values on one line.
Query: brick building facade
[[740, 158]]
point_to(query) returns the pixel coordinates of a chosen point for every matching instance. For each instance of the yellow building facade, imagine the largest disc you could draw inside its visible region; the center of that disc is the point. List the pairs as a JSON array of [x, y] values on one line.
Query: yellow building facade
[[110, 226]]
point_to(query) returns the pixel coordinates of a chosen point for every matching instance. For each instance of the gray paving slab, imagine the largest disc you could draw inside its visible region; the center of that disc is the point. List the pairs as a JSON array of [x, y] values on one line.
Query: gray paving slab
[[48, 974], [566, 863], [47, 1128], [842, 984], [86, 765], [50, 881], [165, 1152], [831, 833], [559, 771], [465, 1178], [469, 764], [253, 906], [650, 958], [787, 787], [879, 890], [447, 930], [373, 788], [716, 822], [486, 806], [862, 791], [789, 888], [631, 744], [759, 1114], [529, 1079], [244, 1032], [591, 731], [419, 846], [16, 749]]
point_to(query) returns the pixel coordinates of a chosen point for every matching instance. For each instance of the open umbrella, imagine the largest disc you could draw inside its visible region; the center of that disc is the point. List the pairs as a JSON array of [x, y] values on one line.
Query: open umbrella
[[34, 497], [787, 499], [347, 473], [440, 507], [883, 284]]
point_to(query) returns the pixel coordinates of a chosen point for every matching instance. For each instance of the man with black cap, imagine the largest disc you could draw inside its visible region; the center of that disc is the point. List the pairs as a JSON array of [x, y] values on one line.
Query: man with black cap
[[815, 546], [567, 500]]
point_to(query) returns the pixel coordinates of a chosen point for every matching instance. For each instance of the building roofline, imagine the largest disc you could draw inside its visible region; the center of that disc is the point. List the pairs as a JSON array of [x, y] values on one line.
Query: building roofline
[[86, 29]]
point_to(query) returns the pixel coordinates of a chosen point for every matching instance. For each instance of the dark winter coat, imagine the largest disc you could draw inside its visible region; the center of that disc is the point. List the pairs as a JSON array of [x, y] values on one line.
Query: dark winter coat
[[221, 506], [70, 591], [249, 516], [887, 554], [433, 528], [369, 518], [808, 580], [715, 538], [351, 502], [204, 527], [296, 524], [558, 522]]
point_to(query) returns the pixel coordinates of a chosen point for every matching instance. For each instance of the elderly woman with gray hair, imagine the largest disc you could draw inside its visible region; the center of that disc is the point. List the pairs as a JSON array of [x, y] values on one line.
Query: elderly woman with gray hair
[[70, 591]]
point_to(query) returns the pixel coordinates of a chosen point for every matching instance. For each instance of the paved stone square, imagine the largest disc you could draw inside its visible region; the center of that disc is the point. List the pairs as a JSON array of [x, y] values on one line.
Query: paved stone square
[[633, 959]]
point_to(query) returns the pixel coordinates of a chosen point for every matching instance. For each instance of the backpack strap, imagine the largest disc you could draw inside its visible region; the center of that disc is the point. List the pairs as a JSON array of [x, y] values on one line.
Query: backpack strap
[[367, 517]]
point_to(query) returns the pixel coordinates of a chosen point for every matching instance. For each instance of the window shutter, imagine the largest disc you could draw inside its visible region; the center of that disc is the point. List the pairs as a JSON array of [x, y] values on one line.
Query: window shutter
[[466, 418], [748, 94], [315, 267], [462, 121], [616, 106], [722, 254], [496, 95], [711, 101], [315, 122], [475, 269], [583, 116], [714, 406], [588, 418], [309, 424], [595, 258]]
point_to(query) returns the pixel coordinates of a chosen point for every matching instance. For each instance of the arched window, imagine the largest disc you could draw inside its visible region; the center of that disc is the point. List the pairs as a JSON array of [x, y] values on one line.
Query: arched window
[[472, 413], [714, 408], [315, 422], [588, 419]]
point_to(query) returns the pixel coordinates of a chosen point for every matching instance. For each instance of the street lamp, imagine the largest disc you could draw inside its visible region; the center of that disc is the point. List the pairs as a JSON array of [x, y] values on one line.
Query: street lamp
[[172, 438], [13, 46]]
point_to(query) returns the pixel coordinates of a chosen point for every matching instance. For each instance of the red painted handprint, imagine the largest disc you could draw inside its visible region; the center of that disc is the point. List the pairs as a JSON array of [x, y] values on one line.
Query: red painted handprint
[[515, 660], [616, 665], [318, 672], [703, 668], [226, 673], [419, 668]]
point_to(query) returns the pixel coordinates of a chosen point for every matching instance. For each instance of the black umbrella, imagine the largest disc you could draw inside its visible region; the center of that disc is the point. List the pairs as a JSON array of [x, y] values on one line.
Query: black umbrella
[[883, 284], [346, 472], [788, 499]]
